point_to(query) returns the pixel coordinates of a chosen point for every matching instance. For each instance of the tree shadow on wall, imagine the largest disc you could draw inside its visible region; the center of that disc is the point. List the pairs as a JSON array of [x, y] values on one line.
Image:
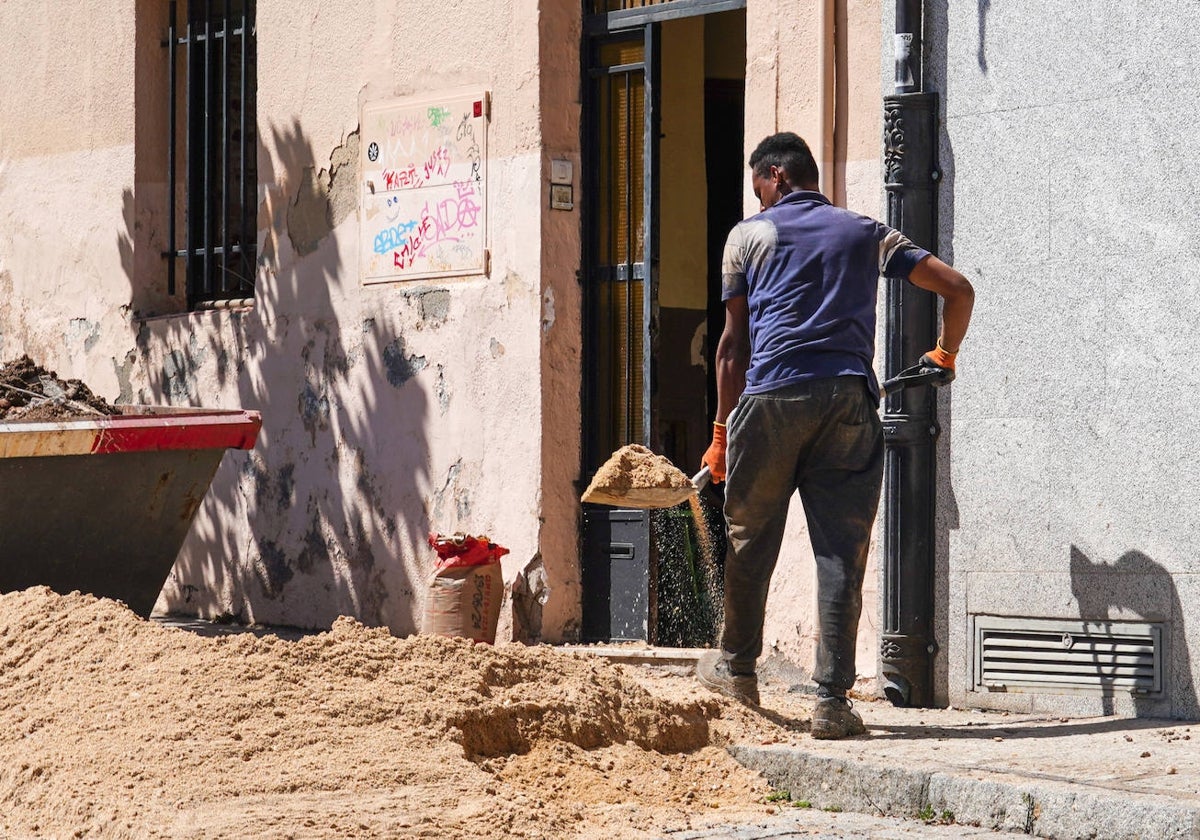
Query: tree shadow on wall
[[1128, 586], [333, 492]]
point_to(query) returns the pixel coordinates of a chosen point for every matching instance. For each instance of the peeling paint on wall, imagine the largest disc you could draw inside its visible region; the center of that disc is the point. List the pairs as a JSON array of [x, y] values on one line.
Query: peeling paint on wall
[[530, 592], [514, 287], [8, 313], [449, 487], [462, 505], [547, 310], [324, 199], [124, 371], [83, 330], [179, 380], [287, 487], [334, 362], [314, 547], [368, 489], [435, 306], [362, 558], [313, 407], [399, 367], [273, 491], [231, 356], [272, 569], [441, 391]]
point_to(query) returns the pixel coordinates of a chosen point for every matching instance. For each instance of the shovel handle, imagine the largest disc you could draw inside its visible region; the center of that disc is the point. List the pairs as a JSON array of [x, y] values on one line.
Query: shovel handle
[[916, 375]]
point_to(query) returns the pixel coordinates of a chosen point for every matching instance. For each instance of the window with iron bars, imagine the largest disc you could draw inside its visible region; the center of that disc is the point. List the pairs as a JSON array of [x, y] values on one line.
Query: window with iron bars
[[212, 181]]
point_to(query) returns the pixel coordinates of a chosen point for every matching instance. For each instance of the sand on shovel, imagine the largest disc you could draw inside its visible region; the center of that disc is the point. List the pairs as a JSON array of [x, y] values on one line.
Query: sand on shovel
[[635, 477]]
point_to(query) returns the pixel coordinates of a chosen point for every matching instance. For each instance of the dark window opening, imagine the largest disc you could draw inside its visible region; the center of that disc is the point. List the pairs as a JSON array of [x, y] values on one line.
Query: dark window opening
[[212, 151]]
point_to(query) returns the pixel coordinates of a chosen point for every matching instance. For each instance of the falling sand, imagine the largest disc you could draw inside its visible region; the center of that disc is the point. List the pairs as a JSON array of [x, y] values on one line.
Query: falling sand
[[115, 727]]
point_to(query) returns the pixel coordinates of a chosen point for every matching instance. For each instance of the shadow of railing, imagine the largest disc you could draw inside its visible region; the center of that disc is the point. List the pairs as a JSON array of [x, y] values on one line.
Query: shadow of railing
[[1104, 588]]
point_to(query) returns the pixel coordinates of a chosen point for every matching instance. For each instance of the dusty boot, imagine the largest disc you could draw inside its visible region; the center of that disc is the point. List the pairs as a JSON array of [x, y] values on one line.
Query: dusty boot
[[833, 718], [713, 672]]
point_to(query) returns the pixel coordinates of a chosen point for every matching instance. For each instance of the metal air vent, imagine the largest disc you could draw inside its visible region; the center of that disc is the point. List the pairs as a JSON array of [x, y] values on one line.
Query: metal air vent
[[1054, 657]]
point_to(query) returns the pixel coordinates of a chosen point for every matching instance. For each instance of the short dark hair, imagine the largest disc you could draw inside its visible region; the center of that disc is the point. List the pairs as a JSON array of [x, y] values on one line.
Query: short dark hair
[[790, 153]]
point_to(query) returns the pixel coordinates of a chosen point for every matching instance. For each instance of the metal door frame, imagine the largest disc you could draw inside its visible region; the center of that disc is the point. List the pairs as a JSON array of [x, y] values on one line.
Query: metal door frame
[[645, 268], [617, 554]]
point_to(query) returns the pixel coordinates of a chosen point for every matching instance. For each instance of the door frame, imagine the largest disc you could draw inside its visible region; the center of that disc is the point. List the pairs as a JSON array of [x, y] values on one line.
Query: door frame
[[618, 558]]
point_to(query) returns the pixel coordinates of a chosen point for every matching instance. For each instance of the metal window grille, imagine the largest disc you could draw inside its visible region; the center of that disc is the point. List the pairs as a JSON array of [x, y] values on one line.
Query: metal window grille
[[212, 150], [637, 12]]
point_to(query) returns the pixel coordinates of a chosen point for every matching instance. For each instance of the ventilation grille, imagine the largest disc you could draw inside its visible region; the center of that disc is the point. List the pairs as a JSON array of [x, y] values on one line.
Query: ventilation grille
[[1028, 655]]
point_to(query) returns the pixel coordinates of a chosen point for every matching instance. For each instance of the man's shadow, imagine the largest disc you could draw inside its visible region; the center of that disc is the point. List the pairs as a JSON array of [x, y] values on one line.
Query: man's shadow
[[1124, 587]]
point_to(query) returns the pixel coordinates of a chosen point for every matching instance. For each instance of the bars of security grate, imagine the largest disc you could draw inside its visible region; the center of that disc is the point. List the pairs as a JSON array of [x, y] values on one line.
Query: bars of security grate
[[212, 180]]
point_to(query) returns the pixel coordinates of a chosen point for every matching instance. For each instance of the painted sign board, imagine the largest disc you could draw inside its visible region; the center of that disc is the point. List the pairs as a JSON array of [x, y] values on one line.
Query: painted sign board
[[424, 187]]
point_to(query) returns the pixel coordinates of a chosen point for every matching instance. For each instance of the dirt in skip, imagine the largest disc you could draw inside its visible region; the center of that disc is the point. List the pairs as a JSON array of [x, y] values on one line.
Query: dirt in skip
[[30, 392], [115, 727]]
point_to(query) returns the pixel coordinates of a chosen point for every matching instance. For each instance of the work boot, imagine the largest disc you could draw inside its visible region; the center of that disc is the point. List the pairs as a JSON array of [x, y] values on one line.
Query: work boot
[[713, 672], [833, 718]]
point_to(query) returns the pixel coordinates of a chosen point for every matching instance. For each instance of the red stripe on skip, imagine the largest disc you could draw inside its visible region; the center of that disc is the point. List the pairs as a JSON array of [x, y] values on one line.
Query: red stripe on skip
[[156, 433]]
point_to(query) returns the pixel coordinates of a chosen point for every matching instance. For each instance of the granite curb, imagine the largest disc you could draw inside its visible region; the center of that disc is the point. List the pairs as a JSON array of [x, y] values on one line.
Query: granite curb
[[1055, 809]]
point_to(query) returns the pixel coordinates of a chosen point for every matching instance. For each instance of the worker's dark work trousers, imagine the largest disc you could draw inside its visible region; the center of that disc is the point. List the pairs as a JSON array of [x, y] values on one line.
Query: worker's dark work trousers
[[824, 439]]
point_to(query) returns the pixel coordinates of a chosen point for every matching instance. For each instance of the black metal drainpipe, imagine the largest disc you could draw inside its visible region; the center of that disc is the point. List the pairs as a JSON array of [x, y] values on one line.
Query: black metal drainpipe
[[910, 416]]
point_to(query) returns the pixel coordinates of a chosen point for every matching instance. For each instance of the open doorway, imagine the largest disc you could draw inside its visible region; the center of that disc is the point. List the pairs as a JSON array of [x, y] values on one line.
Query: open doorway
[[700, 199], [664, 127]]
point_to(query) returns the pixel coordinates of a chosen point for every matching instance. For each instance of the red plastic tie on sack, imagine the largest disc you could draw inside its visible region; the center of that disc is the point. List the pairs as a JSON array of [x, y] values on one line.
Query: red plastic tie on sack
[[462, 550]]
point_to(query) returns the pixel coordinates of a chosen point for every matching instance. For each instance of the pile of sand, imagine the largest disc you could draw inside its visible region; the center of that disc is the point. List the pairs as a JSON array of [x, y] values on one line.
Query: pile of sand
[[635, 477], [114, 727], [30, 392]]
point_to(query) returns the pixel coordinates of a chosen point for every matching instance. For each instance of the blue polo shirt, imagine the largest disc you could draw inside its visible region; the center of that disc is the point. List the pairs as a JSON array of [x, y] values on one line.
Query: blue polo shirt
[[810, 274]]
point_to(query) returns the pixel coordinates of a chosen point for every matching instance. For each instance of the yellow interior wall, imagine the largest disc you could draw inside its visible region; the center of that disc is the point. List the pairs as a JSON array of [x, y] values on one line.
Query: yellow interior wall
[[725, 45], [683, 190]]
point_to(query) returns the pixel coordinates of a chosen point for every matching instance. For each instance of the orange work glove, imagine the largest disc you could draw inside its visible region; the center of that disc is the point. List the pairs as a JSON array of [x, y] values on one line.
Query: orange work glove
[[942, 358], [714, 458]]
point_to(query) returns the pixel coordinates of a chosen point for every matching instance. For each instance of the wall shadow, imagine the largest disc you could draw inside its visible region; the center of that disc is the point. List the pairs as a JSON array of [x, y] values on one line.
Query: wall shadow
[[326, 516], [1127, 586], [985, 6]]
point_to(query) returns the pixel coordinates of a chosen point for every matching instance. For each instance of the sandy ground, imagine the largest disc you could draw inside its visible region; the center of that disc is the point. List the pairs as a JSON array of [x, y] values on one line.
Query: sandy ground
[[115, 727]]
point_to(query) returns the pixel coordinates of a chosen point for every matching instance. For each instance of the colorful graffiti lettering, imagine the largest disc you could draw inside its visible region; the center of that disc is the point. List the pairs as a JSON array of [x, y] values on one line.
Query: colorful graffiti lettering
[[401, 179], [438, 163], [393, 237], [466, 131], [448, 219], [404, 125], [413, 246], [425, 206], [399, 148]]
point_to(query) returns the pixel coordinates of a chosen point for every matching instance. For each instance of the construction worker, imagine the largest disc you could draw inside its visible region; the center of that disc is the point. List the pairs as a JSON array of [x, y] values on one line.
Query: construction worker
[[800, 285]]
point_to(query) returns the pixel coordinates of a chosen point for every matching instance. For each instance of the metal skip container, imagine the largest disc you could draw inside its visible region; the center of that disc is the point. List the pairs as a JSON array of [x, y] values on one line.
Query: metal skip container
[[103, 505]]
